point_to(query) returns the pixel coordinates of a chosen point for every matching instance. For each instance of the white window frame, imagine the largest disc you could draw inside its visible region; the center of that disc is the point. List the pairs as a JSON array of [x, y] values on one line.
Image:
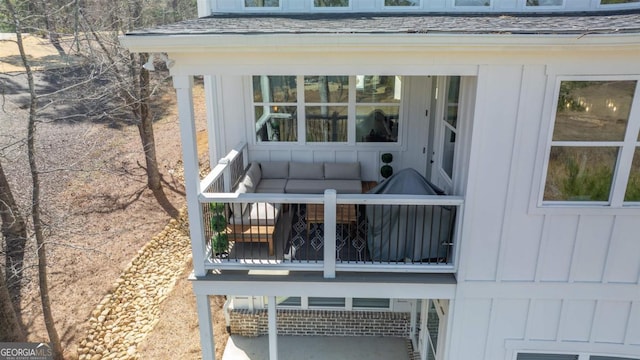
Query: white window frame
[[301, 105], [622, 168]]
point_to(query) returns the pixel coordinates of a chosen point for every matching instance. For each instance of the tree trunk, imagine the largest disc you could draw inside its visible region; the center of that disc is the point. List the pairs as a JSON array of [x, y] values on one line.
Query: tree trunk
[[145, 128], [54, 37], [35, 201], [14, 231], [10, 327]]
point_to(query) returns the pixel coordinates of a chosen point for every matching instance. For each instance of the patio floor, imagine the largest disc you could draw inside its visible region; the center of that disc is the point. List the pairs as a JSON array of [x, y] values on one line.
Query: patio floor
[[317, 348]]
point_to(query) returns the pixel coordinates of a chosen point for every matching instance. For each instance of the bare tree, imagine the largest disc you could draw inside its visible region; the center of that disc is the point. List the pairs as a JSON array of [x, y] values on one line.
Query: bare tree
[[14, 231], [10, 328], [131, 84], [35, 193]]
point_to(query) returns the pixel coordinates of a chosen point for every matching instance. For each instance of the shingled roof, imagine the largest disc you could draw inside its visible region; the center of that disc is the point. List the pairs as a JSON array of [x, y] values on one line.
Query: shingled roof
[[350, 23]]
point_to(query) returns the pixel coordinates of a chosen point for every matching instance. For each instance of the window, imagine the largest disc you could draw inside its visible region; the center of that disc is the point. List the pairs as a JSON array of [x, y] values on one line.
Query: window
[[611, 2], [331, 3], [473, 2], [531, 356], [370, 303], [327, 108], [262, 3], [595, 146], [326, 302], [275, 108], [377, 108], [534, 3], [401, 2]]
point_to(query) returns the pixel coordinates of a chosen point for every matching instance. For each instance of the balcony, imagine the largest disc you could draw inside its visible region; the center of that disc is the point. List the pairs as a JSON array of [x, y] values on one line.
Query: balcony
[[327, 232]]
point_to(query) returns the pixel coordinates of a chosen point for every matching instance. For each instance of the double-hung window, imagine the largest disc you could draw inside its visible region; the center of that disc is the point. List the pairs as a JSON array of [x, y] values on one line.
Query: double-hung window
[[594, 152]]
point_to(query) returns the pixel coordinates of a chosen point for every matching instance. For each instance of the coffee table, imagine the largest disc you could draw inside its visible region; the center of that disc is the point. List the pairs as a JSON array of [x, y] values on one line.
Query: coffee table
[[345, 214]]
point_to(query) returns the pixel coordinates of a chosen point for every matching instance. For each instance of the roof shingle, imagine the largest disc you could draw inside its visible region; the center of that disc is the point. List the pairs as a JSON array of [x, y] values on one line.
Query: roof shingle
[[349, 23]]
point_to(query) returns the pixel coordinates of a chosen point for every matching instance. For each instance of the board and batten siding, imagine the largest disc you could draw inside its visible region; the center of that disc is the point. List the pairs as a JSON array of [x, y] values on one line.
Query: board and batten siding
[[531, 280]]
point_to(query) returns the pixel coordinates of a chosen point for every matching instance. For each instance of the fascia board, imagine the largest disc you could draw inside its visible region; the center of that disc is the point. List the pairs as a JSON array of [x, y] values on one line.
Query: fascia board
[[301, 43]]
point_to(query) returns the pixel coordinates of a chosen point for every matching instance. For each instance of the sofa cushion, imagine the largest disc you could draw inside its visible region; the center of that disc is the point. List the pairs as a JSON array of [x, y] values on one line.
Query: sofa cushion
[[252, 178], [239, 208], [337, 171], [271, 186], [274, 169], [260, 213], [308, 171], [300, 186], [344, 186]]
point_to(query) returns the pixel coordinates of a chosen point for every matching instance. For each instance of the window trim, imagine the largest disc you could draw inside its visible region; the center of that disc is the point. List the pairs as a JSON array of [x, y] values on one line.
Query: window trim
[[301, 106], [615, 204]]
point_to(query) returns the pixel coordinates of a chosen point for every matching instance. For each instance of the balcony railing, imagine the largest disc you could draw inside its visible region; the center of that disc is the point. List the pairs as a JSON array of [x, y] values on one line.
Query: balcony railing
[[329, 232]]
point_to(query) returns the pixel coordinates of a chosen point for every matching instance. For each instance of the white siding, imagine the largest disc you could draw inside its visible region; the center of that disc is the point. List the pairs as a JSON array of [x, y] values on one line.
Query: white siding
[[531, 280], [494, 126]]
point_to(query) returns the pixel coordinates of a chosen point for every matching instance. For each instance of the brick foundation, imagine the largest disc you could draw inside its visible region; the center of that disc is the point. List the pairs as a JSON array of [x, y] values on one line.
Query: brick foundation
[[322, 323]]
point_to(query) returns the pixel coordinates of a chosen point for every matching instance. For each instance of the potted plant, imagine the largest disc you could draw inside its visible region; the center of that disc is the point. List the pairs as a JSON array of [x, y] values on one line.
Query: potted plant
[[386, 170], [218, 224]]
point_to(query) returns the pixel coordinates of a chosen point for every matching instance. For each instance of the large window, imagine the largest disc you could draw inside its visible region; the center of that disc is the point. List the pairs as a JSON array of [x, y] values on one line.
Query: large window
[[595, 146], [327, 109]]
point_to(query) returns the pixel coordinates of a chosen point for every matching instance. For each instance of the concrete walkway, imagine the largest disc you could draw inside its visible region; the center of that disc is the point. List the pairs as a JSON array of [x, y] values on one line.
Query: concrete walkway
[[317, 348]]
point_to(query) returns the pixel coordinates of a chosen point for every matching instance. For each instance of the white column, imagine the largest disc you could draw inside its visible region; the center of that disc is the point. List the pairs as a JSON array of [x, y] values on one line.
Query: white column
[[330, 234], [273, 329], [204, 8], [206, 330], [413, 323], [424, 332], [215, 125], [184, 92]]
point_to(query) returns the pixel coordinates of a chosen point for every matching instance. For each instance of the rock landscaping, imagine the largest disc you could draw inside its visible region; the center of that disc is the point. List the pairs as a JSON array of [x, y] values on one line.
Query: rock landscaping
[[130, 311]]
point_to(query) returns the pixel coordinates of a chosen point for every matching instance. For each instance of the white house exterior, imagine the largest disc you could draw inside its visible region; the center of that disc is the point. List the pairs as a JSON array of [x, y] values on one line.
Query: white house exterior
[[538, 151]]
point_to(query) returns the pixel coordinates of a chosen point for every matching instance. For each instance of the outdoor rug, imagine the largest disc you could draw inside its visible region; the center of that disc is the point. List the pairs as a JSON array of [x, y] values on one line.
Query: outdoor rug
[[308, 244]]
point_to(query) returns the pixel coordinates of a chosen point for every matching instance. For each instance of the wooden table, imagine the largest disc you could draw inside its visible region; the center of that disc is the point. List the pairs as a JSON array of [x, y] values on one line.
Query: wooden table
[[345, 214]]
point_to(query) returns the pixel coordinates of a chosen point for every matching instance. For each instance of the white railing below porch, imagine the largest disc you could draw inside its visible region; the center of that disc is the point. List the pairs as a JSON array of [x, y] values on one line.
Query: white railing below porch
[[326, 232]]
